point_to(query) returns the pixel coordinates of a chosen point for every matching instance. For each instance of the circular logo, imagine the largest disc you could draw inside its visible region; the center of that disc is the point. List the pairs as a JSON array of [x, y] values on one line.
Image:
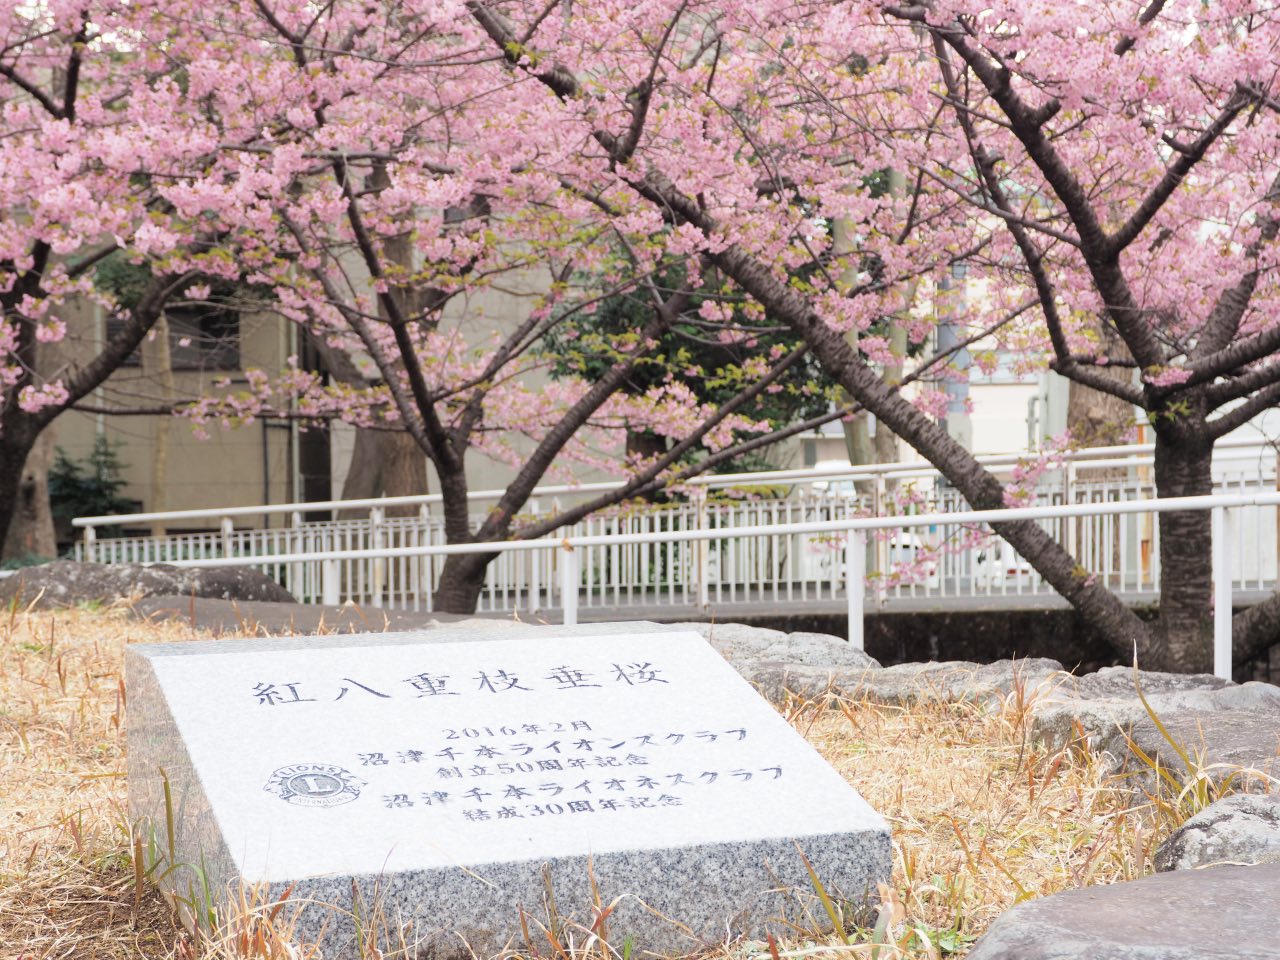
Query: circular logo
[[314, 785]]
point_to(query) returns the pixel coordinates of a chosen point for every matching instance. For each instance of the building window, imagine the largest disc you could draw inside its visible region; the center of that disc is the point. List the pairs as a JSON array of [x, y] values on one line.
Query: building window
[[204, 338], [200, 338]]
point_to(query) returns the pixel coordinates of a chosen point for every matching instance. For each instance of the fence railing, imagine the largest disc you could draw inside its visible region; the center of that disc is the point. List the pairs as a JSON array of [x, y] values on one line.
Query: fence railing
[[944, 559], [876, 475], [850, 540]]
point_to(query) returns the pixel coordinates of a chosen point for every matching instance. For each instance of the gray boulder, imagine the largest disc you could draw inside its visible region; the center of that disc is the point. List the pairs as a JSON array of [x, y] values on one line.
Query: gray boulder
[[1226, 730], [66, 583], [952, 681], [1228, 912], [1243, 828], [1112, 682], [1096, 704], [742, 645]]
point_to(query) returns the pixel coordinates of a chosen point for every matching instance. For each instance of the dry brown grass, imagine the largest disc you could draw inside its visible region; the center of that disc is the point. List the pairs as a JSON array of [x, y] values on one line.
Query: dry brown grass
[[981, 817]]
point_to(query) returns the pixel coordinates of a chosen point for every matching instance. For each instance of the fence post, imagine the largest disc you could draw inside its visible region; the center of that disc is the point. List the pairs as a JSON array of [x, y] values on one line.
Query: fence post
[[1222, 524], [535, 567], [702, 548], [91, 544], [855, 574], [228, 528], [377, 516], [330, 583], [880, 563], [297, 576], [569, 577], [1070, 525]]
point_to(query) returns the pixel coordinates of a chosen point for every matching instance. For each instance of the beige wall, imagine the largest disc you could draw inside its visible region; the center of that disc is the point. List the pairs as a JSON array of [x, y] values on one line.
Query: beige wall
[[228, 469]]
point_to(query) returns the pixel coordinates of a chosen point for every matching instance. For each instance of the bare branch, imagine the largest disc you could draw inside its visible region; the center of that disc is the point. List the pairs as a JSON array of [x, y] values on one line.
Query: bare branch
[[1027, 122], [654, 470], [1152, 11], [47, 102], [82, 380], [1264, 399], [1188, 157]]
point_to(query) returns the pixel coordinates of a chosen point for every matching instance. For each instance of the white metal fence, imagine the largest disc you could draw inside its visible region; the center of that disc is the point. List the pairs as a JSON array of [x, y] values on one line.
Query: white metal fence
[[854, 536], [709, 547]]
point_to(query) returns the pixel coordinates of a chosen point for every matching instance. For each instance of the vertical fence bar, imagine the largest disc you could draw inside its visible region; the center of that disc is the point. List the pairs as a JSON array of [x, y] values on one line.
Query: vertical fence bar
[[701, 548], [535, 570], [1221, 524], [855, 562], [569, 586], [330, 583]]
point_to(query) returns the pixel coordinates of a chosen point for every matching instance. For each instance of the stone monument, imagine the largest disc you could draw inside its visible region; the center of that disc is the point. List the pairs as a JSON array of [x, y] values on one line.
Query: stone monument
[[448, 784]]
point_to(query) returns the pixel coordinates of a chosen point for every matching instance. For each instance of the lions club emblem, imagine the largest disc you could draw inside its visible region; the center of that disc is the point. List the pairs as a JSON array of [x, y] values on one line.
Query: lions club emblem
[[314, 785]]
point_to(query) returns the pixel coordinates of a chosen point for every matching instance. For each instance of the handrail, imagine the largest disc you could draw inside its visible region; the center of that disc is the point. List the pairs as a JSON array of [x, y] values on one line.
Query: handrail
[[898, 522], [1100, 457], [853, 550]]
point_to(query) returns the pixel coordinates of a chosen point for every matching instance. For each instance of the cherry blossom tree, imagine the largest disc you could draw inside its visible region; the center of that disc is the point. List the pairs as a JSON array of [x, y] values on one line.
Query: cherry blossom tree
[[370, 171], [1111, 164], [80, 135], [1104, 171]]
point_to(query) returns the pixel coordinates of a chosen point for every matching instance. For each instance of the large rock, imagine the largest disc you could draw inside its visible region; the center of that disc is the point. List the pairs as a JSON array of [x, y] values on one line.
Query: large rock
[[1228, 912], [66, 582], [1112, 682], [1243, 828], [1225, 729], [742, 645], [951, 681]]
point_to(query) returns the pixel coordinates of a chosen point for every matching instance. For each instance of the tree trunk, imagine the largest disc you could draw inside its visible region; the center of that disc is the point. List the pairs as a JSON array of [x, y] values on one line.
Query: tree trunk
[[1183, 469], [1098, 419], [461, 581], [162, 357], [30, 530], [384, 463], [645, 445], [857, 443], [404, 470], [13, 457], [463, 575]]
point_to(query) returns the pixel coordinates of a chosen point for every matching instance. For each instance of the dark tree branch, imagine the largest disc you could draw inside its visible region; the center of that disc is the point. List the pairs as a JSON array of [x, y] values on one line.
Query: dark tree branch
[[1027, 124], [1254, 630], [71, 86], [1152, 11], [143, 317], [1091, 375], [1064, 363], [1224, 319], [1231, 358], [649, 476], [1263, 399], [447, 456], [47, 103], [413, 420], [1187, 158], [642, 94], [1240, 386], [497, 523]]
